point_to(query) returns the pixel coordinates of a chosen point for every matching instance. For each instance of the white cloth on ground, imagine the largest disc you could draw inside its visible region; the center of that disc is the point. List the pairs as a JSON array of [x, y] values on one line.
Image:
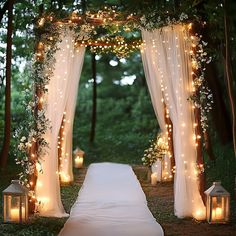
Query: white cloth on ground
[[111, 203]]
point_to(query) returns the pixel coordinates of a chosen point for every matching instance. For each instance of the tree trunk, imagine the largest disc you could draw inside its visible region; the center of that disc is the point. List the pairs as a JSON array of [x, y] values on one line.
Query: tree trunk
[[94, 111], [200, 161], [169, 124], [229, 76], [83, 5], [220, 115], [7, 129]]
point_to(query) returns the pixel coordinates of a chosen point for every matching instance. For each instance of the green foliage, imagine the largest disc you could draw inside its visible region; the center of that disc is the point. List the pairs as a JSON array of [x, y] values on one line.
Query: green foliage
[[125, 118]]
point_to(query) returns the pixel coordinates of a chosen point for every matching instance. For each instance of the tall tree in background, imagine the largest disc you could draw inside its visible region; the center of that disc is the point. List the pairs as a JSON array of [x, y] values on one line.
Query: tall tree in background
[[94, 109], [7, 128], [229, 75]]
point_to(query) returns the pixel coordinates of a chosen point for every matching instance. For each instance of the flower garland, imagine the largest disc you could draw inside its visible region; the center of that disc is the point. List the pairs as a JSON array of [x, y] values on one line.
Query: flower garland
[[157, 149], [152, 21], [202, 97]]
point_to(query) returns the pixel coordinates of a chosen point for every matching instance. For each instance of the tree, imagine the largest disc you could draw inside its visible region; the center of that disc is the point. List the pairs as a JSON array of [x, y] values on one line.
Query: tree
[[94, 109], [229, 75], [7, 129]]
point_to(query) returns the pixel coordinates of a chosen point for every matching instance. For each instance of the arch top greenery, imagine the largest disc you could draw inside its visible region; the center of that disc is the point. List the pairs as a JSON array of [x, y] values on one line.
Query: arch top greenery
[[110, 29]]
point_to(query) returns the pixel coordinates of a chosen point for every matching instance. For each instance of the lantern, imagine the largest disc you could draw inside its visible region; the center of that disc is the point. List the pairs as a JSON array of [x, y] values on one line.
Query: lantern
[[15, 203], [79, 158], [162, 168], [154, 178], [217, 205]]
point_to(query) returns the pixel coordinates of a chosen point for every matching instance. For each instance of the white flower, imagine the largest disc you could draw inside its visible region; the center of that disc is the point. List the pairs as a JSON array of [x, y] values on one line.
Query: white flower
[[183, 16], [23, 139]]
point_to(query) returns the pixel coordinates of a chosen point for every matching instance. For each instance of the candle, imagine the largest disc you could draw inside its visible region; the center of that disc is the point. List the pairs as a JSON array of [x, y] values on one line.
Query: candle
[[15, 214], [217, 213], [79, 162], [154, 178]]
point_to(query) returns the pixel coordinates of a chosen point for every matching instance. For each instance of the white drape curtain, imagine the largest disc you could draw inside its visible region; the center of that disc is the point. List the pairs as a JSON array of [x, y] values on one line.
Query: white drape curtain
[[166, 57], [66, 168], [62, 85], [155, 90]]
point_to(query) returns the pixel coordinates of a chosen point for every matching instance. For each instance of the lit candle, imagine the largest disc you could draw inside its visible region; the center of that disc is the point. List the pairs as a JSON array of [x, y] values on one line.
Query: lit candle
[[217, 213], [154, 178], [79, 162], [15, 214]]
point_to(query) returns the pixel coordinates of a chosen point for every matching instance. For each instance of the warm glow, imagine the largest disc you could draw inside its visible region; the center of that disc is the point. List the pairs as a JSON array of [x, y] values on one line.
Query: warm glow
[[15, 214], [199, 214], [64, 177], [190, 26], [217, 214], [154, 178], [41, 21], [79, 162]]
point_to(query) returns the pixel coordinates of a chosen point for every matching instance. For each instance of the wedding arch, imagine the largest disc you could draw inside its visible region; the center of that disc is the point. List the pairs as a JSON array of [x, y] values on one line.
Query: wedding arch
[[173, 59]]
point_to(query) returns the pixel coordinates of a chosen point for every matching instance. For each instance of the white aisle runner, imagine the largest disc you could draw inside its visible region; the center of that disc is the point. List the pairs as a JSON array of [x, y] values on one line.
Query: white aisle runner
[[111, 203]]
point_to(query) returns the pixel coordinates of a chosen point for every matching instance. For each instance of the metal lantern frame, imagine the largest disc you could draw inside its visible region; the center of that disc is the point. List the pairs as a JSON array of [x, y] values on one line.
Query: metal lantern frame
[[217, 204], [15, 203]]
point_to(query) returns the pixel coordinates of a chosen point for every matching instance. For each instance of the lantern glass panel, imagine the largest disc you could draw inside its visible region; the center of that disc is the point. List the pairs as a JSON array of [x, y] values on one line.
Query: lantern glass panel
[[15, 199], [12, 208], [218, 200], [218, 208]]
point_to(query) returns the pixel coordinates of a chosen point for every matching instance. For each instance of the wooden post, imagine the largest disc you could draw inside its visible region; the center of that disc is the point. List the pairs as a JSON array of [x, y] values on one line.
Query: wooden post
[[39, 49], [200, 161], [169, 127], [59, 146], [33, 155]]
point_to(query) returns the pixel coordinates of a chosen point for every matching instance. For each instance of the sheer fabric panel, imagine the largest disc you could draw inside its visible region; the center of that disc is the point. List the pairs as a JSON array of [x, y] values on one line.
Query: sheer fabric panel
[[48, 186], [167, 49], [66, 168], [154, 87]]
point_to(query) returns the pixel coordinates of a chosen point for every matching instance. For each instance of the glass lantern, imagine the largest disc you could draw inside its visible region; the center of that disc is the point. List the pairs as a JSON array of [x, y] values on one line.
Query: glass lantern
[[217, 204], [15, 203], [79, 158]]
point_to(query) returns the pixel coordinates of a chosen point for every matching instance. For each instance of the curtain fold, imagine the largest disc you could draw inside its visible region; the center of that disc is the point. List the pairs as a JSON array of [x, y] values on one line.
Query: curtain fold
[[165, 55], [56, 100], [66, 168], [151, 73]]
